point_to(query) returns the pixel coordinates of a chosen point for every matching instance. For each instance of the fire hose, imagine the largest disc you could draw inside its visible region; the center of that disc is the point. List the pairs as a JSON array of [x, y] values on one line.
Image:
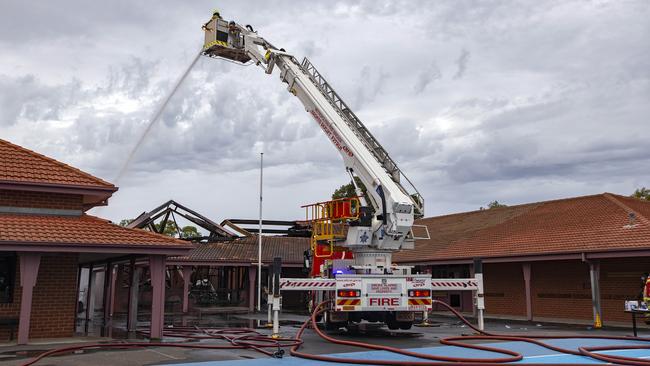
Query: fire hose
[[239, 338], [459, 342], [245, 338]]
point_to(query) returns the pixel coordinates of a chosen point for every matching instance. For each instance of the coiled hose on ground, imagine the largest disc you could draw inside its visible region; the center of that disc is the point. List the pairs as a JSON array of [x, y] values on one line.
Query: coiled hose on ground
[[244, 338]]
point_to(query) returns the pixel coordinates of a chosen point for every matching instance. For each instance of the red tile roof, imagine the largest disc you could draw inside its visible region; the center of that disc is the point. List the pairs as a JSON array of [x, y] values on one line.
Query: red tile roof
[[84, 230], [597, 223], [244, 250], [20, 165]]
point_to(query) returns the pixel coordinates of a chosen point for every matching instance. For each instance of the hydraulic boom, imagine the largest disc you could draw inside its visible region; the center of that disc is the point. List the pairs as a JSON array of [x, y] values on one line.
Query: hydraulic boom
[[373, 238]]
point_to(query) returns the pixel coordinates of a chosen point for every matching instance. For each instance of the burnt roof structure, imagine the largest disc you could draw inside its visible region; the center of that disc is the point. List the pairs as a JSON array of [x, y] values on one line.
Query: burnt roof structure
[[278, 227], [168, 211]]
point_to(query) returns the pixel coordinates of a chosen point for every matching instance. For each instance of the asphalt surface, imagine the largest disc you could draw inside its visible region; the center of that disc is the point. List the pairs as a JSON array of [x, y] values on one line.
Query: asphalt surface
[[417, 337]]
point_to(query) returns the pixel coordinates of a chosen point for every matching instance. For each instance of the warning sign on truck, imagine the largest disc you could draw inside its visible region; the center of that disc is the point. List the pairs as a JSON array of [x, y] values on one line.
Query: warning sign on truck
[[384, 288]]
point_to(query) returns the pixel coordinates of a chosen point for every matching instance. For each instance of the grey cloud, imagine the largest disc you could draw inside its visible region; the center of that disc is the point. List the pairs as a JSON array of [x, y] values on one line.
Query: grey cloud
[[558, 108], [26, 97], [461, 63], [426, 77], [133, 77], [369, 85]]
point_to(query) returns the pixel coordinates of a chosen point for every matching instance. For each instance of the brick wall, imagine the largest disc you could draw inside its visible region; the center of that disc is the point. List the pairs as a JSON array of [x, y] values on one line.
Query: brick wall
[[40, 200], [561, 289], [55, 297], [504, 289], [54, 302], [620, 280]]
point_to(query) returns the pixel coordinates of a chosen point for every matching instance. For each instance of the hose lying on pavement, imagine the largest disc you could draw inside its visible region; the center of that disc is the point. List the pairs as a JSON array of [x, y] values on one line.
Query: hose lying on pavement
[[239, 338], [460, 342], [245, 338]]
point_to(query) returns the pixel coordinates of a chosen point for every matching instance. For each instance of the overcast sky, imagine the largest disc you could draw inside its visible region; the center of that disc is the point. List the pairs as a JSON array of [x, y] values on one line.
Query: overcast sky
[[476, 100]]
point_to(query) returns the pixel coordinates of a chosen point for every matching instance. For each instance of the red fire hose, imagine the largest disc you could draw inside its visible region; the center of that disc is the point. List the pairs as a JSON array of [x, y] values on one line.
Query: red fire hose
[[244, 338], [458, 342], [239, 338]]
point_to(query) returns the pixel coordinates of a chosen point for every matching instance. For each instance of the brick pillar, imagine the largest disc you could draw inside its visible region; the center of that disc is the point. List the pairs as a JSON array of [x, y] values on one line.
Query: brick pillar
[[187, 274], [29, 263], [526, 268], [252, 277], [157, 269]]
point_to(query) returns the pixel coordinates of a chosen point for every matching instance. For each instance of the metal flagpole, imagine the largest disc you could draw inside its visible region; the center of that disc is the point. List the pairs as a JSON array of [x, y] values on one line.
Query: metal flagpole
[[259, 242]]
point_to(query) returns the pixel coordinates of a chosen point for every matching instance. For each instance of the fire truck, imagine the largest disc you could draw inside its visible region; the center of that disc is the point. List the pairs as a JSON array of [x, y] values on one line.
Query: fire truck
[[353, 239]]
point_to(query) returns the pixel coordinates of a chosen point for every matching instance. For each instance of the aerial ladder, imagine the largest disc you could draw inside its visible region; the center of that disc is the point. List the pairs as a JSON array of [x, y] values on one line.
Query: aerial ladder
[[353, 239]]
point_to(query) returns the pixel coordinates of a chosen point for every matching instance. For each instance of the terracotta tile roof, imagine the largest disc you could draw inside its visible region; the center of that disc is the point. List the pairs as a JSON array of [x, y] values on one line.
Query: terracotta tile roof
[[575, 225], [84, 230], [290, 249], [20, 165]]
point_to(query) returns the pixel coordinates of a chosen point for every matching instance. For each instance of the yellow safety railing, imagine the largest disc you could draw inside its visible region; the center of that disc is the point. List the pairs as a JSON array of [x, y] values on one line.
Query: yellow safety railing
[[328, 223], [335, 210]]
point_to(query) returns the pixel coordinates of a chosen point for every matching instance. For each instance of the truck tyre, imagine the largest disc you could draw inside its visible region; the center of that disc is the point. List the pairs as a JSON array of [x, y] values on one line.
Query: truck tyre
[[405, 325], [332, 326], [392, 324]]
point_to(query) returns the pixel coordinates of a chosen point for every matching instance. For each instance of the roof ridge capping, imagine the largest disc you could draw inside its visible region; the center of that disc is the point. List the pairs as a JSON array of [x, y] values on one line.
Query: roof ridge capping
[[99, 181], [521, 205], [616, 199]]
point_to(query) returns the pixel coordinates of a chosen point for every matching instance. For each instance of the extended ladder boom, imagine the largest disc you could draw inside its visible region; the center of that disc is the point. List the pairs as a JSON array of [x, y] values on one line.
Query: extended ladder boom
[[395, 207]]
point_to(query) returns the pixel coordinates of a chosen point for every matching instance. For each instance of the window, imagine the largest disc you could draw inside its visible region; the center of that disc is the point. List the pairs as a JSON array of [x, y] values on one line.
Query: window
[[7, 278]]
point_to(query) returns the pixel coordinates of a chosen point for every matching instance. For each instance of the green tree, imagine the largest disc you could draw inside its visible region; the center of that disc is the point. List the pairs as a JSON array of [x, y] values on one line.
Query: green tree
[[347, 190], [188, 232], [642, 193], [170, 228], [125, 222], [495, 204]]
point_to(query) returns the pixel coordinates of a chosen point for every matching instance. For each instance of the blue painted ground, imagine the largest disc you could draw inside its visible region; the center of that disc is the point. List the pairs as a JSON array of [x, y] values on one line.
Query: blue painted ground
[[532, 354]]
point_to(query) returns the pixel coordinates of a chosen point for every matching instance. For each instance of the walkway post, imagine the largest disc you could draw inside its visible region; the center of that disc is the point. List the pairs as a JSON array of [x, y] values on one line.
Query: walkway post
[[157, 269], [480, 300], [526, 268], [277, 269], [29, 263], [134, 296], [594, 275], [259, 241], [187, 274], [89, 299]]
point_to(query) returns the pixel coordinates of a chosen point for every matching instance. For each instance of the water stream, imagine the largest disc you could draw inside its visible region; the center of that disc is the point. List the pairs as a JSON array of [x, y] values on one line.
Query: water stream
[[152, 121]]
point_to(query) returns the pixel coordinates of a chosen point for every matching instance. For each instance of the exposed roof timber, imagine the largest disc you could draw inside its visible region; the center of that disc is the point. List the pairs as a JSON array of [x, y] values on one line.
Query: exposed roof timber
[[291, 228], [146, 219], [266, 231], [230, 225], [264, 222]]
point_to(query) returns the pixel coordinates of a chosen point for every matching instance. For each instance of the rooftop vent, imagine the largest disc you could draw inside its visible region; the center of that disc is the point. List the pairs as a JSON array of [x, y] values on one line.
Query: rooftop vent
[[631, 216]]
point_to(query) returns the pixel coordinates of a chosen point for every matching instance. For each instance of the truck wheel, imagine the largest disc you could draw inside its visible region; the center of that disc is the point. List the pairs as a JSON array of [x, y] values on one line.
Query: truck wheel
[[392, 324], [332, 326], [405, 325]]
